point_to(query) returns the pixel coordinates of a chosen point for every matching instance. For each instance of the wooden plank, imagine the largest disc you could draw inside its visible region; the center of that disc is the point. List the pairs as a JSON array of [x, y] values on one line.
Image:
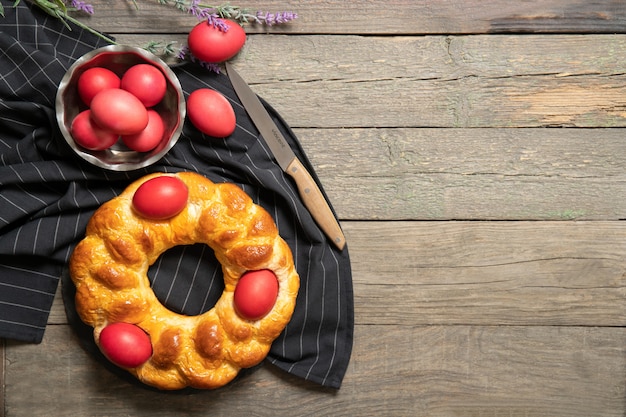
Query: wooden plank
[[376, 17], [395, 370], [439, 174], [484, 273], [519, 273], [481, 81], [537, 101], [467, 81]]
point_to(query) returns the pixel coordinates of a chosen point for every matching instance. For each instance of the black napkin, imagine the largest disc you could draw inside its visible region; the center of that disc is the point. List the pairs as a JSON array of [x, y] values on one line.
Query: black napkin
[[47, 195]]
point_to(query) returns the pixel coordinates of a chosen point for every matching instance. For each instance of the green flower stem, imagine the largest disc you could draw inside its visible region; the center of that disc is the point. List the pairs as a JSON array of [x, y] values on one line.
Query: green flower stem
[[88, 29], [57, 9]]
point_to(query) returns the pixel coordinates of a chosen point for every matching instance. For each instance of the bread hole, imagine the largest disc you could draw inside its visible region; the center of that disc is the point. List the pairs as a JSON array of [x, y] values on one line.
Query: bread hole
[[187, 279]]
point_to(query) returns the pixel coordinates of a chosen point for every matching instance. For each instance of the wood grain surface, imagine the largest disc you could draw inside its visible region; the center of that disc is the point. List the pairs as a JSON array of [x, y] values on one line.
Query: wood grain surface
[[388, 18], [396, 370], [474, 152]]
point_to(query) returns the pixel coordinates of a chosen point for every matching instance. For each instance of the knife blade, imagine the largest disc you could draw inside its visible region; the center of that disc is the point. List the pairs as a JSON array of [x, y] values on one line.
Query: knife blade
[[310, 193]]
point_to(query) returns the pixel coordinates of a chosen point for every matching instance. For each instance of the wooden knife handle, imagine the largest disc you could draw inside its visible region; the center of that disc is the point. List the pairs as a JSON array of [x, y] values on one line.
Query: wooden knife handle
[[316, 203]]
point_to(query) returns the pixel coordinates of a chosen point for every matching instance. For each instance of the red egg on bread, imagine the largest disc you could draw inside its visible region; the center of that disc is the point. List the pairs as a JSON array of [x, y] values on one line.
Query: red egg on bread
[[160, 198]]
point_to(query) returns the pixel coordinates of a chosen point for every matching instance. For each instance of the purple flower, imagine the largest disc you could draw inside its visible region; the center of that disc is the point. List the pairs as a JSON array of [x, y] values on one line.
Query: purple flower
[[82, 6], [199, 12], [209, 13], [185, 53], [211, 66], [182, 53], [217, 22], [275, 18], [284, 17]]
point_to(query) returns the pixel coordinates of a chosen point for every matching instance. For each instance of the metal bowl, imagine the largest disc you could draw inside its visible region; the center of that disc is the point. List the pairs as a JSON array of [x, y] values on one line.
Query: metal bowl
[[118, 59]]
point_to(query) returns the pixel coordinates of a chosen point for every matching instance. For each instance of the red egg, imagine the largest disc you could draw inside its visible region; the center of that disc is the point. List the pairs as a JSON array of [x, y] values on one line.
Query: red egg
[[148, 138], [211, 113], [146, 82], [89, 135], [94, 80], [160, 198], [119, 111], [125, 344], [211, 44], [255, 294]]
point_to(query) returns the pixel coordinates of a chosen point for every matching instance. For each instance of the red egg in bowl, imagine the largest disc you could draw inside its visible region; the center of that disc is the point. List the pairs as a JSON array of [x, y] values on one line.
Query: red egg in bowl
[[118, 59]]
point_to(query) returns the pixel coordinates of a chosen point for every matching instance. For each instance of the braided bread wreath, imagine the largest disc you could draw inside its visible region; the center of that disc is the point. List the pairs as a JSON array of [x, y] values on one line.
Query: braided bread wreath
[[109, 269]]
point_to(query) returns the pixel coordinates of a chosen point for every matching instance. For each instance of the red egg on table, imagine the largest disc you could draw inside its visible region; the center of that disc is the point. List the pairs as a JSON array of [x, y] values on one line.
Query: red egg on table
[[211, 113], [119, 111], [125, 344], [255, 294], [211, 44], [160, 198]]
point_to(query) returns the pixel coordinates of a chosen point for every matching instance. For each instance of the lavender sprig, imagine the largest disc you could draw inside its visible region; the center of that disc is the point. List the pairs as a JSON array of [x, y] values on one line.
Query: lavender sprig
[[82, 6], [228, 11], [159, 48], [208, 13], [271, 19], [59, 9], [184, 54]]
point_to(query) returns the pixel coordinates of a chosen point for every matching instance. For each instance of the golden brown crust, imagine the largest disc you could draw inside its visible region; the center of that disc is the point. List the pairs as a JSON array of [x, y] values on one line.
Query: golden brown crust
[[109, 268]]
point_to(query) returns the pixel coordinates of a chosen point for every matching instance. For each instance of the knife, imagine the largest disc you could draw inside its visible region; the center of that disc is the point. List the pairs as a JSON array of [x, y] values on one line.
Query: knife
[[310, 193]]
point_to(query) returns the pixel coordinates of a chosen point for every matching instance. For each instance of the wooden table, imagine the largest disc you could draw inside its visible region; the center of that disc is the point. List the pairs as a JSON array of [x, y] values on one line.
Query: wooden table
[[474, 152]]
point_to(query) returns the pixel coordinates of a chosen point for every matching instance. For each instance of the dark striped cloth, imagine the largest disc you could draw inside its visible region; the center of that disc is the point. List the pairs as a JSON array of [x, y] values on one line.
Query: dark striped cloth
[[47, 195]]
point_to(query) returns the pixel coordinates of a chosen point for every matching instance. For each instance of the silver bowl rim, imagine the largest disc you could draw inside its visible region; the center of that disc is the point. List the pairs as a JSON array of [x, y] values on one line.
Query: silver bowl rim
[[60, 109]]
